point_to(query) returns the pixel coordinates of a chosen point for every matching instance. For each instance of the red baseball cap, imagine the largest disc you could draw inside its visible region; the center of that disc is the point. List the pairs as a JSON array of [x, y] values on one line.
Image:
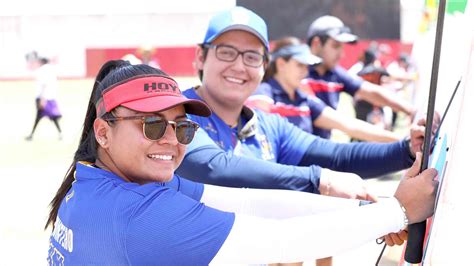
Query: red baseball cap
[[148, 93]]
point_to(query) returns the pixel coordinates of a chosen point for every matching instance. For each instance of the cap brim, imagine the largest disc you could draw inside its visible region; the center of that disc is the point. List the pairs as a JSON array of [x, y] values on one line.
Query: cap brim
[[162, 103], [345, 38], [308, 59], [244, 28]]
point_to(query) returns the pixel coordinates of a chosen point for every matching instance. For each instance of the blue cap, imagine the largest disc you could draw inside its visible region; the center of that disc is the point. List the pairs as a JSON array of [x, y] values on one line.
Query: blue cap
[[237, 18], [299, 52]]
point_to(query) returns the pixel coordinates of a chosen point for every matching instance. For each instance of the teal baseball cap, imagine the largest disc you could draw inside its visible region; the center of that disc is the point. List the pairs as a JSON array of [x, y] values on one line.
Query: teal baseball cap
[[237, 18]]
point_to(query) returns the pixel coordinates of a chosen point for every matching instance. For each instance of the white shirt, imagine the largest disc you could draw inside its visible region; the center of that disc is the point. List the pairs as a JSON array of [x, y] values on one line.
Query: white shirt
[[46, 82]]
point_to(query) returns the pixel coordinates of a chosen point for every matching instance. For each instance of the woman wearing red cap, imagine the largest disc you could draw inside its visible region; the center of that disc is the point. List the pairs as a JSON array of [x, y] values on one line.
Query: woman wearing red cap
[[121, 203]]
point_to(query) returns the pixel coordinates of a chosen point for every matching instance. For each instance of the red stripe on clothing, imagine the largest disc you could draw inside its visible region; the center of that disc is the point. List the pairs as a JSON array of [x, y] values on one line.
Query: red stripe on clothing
[[268, 105], [322, 86], [290, 110]]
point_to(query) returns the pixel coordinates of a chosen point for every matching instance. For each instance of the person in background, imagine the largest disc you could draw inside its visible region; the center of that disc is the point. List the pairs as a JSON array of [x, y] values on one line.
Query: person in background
[[121, 202], [147, 54], [357, 67], [405, 74], [326, 37], [373, 72], [235, 143], [240, 147], [46, 91], [132, 59], [280, 94]]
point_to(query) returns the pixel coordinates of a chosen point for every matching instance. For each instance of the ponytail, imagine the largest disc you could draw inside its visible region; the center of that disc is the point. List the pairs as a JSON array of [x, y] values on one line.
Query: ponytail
[[87, 150]]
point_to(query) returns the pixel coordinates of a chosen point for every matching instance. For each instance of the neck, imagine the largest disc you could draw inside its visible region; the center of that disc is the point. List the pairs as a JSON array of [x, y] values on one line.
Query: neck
[[104, 162], [290, 90], [101, 157], [321, 69], [228, 113]]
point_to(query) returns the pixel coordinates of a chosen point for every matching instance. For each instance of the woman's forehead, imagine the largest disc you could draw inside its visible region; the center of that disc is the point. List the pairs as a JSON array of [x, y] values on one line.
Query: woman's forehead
[[240, 39]]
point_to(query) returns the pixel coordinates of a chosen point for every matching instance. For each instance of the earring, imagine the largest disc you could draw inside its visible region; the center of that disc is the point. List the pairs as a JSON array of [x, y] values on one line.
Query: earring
[[101, 142]]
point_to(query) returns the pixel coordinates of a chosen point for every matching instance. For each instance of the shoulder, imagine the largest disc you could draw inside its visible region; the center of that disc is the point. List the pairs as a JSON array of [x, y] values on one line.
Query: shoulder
[[340, 71], [190, 93], [315, 101], [348, 79], [262, 98], [264, 88]]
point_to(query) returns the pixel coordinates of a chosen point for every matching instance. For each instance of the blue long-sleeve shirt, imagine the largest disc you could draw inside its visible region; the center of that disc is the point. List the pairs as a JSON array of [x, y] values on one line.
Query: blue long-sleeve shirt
[[267, 151]]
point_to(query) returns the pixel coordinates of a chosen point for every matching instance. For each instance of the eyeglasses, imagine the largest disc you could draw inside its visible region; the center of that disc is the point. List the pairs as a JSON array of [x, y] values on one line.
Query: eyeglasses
[[154, 127], [229, 53]]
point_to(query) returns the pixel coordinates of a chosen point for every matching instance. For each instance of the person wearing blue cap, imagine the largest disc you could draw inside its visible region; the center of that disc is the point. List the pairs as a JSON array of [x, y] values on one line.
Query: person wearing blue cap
[[215, 157], [235, 143], [326, 37], [280, 94], [240, 147]]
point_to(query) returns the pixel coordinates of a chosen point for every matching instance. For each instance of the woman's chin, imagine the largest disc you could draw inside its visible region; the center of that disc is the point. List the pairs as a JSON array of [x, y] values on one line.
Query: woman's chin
[[163, 178]]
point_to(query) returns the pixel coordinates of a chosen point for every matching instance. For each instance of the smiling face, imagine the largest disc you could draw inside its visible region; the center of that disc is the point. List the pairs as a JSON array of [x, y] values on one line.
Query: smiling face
[[126, 152], [229, 84]]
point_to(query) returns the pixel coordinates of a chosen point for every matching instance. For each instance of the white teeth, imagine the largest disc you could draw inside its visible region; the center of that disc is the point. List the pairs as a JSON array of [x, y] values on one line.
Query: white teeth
[[235, 80], [161, 157]]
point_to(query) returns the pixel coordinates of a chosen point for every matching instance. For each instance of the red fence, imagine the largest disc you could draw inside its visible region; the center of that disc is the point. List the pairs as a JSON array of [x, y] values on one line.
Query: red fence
[[178, 61]]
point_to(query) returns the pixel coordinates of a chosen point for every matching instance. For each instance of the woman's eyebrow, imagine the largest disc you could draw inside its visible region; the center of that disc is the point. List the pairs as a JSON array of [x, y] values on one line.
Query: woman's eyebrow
[[181, 116]]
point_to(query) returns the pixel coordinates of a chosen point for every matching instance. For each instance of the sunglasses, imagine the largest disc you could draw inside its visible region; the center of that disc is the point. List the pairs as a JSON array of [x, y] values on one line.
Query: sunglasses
[[154, 127]]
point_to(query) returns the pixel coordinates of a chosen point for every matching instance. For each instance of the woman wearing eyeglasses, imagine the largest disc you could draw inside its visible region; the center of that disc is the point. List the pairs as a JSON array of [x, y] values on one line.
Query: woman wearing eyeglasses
[[121, 203], [280, 94]]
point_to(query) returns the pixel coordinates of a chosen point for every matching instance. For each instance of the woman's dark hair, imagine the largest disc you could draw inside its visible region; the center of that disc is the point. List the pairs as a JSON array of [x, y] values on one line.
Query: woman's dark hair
[[277, 45], [112, 72], [322, 38]]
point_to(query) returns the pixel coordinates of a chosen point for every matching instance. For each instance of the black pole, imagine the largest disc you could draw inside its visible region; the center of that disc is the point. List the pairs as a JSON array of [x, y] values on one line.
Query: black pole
[[416, 232]]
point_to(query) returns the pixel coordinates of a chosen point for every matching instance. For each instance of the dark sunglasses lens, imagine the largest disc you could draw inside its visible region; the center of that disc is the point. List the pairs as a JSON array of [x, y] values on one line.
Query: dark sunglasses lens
[[185, 132], [154, 128]]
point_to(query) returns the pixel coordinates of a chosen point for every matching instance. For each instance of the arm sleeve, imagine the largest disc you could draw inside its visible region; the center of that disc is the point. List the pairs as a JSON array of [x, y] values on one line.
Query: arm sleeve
[[271, 203], [351, 83], [169, 228], [260, 240], [362, 158], [205, 162], [291, 141], [316, 106]]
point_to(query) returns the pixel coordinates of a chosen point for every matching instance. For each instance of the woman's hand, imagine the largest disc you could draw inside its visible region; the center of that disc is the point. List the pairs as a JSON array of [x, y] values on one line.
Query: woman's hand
[[344, 185]]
